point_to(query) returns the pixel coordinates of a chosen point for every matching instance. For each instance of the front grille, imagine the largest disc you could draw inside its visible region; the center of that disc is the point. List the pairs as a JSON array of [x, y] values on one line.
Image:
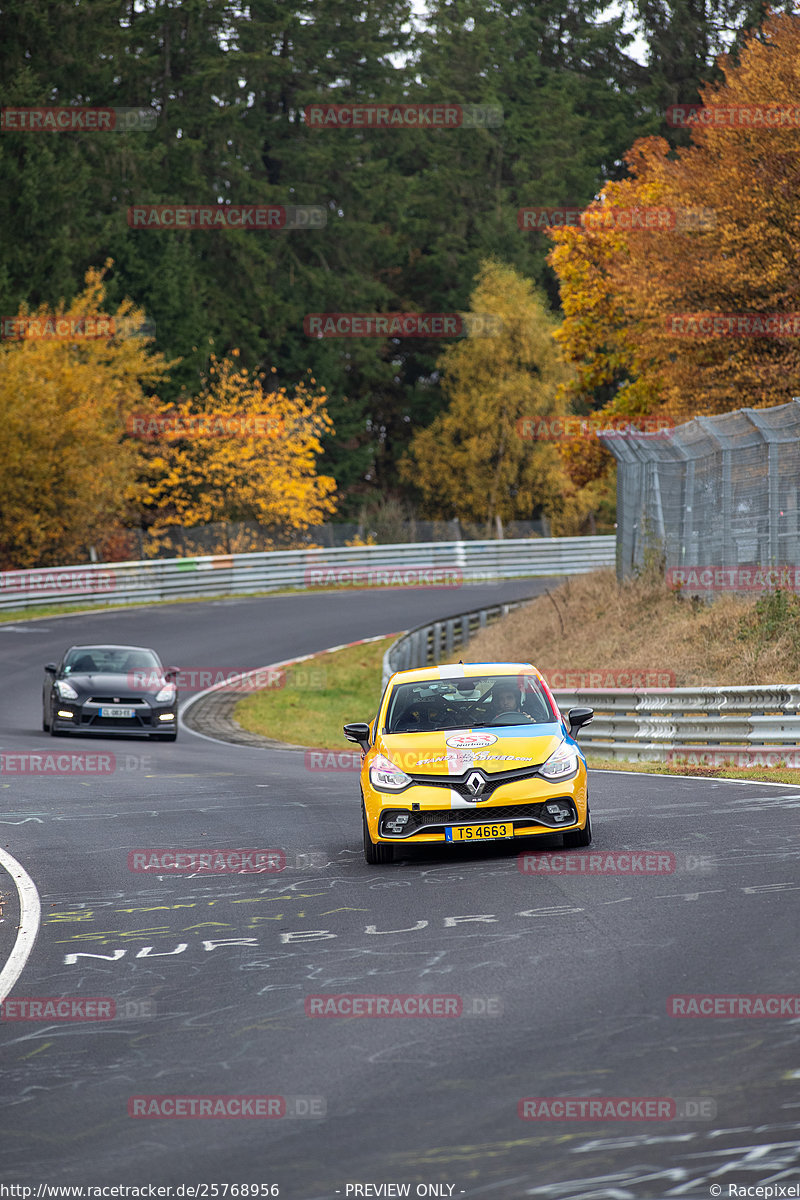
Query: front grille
[[522, 814], [137, 722], [457, 816], [124, 702], [493, 781]]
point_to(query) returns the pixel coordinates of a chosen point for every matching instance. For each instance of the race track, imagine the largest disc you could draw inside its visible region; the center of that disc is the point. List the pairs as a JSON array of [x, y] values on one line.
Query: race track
[[568, 975]]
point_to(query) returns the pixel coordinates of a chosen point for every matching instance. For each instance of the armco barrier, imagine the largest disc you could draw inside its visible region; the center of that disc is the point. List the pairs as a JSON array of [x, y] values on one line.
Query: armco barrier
[[701, 725], [419, 564]]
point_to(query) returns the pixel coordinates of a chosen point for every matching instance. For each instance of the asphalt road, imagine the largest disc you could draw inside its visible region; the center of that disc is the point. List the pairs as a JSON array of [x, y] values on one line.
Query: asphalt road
[[568, 976]]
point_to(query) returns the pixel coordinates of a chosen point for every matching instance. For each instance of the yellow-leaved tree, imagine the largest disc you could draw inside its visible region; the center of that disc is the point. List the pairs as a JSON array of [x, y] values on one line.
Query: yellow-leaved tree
[[239, 451], [68, 379], [649, 314], [472, 461]]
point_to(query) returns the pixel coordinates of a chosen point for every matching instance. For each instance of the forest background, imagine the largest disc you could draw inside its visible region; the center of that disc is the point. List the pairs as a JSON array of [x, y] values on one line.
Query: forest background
[[415, 221]]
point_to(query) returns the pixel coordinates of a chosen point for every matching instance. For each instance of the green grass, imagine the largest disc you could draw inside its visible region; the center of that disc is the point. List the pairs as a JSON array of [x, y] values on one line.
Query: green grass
[[310, 715], [321, 695]]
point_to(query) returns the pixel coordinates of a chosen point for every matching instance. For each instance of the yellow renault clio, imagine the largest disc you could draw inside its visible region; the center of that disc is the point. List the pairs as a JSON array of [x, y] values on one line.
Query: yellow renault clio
[[473, 752]]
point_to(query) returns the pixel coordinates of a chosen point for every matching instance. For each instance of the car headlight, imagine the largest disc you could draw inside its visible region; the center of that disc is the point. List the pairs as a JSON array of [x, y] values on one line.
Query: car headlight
[[386, 777], [65, 690], [167, 694], [561, 764]]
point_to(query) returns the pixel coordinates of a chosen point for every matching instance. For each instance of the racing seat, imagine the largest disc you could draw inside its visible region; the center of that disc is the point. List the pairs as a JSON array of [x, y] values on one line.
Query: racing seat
[[84, 663], [536, 708], [418, 718]]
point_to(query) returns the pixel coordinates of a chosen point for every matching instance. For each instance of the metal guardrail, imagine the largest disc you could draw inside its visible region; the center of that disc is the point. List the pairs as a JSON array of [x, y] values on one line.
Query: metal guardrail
[[429, 644], [703, 724], [420, 564]]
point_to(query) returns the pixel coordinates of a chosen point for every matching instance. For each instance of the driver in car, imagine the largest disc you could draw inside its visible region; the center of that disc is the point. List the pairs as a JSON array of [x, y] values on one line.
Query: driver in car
[[505, 698]]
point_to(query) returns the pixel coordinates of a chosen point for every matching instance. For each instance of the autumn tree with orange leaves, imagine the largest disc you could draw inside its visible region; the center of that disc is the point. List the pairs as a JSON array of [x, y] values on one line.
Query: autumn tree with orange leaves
[[68, 378], [240, 451], [734, 248]]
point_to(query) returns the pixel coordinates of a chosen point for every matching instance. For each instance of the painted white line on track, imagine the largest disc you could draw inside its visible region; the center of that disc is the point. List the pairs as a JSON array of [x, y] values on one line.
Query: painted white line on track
[[30, 911], [697, 778]]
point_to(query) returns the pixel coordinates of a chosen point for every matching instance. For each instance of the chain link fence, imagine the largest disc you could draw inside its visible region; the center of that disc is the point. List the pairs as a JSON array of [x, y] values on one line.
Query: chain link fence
[[244, 537], [716, 492]]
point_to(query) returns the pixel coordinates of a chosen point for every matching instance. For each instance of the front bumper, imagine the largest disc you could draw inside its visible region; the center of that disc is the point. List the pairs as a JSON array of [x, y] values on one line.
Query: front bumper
[[522, 803], [147, 718]]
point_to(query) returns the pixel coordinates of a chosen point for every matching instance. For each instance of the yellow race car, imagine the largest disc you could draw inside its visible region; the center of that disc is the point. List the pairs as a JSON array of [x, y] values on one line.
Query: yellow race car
[[471, 752]]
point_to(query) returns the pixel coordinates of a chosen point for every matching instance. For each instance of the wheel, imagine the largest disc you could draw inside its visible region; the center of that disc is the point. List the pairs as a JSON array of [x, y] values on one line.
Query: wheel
[[578, 837], [164, 737], [45, 722], [375, 852]]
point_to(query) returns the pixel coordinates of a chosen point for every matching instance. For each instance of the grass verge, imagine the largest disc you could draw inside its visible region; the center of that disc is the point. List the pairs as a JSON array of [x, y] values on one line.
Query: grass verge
[[321, 695]]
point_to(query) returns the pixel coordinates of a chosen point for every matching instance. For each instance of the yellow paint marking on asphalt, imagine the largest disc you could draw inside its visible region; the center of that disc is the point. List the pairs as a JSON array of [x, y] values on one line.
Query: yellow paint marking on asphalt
[[38, 1050]]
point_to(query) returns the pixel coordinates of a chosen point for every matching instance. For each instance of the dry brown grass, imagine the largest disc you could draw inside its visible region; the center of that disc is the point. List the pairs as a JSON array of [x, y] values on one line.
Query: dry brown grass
[[592, 623]]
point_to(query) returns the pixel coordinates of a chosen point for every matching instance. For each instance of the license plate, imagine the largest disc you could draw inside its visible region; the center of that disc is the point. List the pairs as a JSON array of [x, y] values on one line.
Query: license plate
[[478, 833], [117, 712]]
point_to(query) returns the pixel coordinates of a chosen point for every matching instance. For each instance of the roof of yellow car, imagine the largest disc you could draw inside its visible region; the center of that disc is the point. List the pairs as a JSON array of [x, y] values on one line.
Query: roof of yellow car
[[464, 671]]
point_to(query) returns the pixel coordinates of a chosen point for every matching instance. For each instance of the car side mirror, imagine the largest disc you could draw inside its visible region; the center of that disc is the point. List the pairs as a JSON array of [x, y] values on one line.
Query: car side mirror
[[357, 732], [171, 672], [50, 668], [578, 717]]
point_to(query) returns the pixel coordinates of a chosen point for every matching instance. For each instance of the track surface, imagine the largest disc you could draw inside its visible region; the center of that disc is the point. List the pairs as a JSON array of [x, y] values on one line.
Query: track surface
[[580, 966]]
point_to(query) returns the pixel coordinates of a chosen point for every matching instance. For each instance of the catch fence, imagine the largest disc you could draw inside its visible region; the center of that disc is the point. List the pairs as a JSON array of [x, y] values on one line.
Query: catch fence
[[714, 492]]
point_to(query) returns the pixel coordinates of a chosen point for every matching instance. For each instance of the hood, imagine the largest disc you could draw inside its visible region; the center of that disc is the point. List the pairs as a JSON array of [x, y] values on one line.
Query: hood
[[114, 683], [453, 751]]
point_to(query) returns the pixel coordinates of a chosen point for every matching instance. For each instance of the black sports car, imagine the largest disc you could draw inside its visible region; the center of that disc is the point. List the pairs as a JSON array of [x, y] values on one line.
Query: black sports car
[[111, 689]]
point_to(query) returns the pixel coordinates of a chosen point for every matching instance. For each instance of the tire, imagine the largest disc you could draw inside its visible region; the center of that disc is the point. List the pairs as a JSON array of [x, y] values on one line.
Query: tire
[[375, 853], [45, 723], [578, 837]]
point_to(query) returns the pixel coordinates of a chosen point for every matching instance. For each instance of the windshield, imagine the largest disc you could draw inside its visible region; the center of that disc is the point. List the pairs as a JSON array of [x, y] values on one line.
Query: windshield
[[117, 661], [432, 704]]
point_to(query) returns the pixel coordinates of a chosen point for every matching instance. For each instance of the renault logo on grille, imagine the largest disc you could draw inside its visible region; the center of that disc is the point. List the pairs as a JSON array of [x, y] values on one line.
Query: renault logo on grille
[[475, 784]]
